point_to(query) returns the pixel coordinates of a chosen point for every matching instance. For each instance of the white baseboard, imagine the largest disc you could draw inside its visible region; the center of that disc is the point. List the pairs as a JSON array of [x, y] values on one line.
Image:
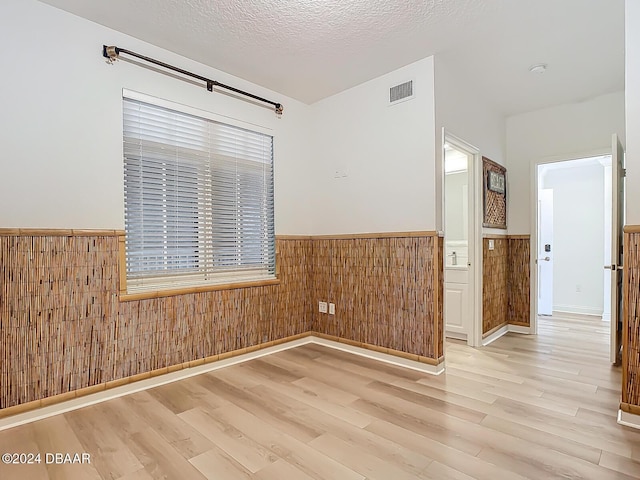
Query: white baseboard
[[382, 357], [503, 330], [577, 309], [519, 329], [103, 396], [456, 335], [628, 419], [606, 317], [495, 335]]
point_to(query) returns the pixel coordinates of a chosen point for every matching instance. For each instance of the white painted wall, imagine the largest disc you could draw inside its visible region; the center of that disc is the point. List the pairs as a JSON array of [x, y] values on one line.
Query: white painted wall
[[384, 156], [61, 130], [578, 240], [456, 215], [565, 131], [461, 110], [61, 135], [632, 92]]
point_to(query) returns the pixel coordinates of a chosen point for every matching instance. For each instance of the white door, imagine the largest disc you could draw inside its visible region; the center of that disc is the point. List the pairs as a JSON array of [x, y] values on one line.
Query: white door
[[617, 222], [545, 252]]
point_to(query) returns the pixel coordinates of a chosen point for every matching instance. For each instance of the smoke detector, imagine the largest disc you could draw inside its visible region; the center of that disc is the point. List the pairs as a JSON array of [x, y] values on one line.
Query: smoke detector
[[539, 68]]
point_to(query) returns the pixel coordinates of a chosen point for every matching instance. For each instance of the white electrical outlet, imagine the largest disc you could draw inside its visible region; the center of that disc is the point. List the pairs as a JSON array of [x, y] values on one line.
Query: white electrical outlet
[[322, 307], [492, 245], [332, 309]]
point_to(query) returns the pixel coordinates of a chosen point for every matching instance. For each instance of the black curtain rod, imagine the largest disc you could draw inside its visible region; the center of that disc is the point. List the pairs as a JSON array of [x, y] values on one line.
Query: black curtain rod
[[112, 53]]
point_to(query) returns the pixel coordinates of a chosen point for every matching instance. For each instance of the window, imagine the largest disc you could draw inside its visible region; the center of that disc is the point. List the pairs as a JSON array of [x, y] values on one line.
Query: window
[[198, 199]]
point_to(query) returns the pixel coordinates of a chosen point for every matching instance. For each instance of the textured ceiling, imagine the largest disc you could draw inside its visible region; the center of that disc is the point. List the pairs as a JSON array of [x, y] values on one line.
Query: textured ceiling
[[311, 49]]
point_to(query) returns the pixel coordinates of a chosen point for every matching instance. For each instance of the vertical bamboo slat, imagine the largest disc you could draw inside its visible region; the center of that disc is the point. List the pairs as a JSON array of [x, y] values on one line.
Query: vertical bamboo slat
[[631, 320]]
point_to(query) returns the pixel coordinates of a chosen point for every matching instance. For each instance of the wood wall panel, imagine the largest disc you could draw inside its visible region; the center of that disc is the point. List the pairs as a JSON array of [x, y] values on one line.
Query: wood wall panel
[[63, 328], [506, 281], [495, 271], [631, 320], [440, 300], [519, 281], [383, 289]]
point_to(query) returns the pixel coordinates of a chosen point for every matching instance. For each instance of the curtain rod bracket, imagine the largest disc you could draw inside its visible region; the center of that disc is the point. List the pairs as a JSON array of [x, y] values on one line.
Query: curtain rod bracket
[[111, 53]]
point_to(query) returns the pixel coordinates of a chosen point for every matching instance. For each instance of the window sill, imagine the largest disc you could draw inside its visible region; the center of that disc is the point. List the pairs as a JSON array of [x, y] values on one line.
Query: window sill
[[128, 297]]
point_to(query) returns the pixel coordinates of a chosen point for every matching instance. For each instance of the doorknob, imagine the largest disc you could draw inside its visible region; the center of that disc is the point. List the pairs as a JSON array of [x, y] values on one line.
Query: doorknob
[[546, 259]]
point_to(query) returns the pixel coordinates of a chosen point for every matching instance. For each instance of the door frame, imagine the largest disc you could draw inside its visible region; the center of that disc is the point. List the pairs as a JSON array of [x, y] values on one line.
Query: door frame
[[533, 285], [474, 336], [543, 218]]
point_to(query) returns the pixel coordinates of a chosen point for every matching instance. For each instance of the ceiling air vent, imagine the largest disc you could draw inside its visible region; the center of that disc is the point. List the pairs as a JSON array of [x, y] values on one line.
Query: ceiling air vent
[[400, 93]]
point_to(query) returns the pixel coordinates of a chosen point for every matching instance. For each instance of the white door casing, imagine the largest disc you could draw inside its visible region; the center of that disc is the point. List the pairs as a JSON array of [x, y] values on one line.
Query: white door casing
[[462, 295], [616, 264], [545, 258]]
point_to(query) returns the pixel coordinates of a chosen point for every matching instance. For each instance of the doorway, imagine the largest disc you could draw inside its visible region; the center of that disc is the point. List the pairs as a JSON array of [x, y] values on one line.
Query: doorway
[[461, 240], [576, 257], [574, 236]]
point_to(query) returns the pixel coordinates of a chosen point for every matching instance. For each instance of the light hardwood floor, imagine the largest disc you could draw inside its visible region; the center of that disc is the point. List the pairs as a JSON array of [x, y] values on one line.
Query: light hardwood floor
[[536, 407]]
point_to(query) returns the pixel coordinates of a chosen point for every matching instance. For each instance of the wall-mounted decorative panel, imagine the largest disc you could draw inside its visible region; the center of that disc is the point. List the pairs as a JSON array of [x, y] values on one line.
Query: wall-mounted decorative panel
[[495, 194]]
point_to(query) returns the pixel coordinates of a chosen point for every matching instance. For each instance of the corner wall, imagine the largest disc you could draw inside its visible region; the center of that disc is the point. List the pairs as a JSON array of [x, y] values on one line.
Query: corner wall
[[387, 291], [505, 283], [63, 328], [373, 166]]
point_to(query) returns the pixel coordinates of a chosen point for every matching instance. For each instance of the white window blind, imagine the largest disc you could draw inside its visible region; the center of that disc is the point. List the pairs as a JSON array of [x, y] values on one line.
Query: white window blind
[[198, 200]]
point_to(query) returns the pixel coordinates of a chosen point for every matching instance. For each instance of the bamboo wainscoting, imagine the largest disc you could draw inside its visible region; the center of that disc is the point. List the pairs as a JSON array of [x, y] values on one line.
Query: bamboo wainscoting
[[505, 282], [63, 329], [440, 301], [631, 321], [385, 289], [495, 275], [519, 280]]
